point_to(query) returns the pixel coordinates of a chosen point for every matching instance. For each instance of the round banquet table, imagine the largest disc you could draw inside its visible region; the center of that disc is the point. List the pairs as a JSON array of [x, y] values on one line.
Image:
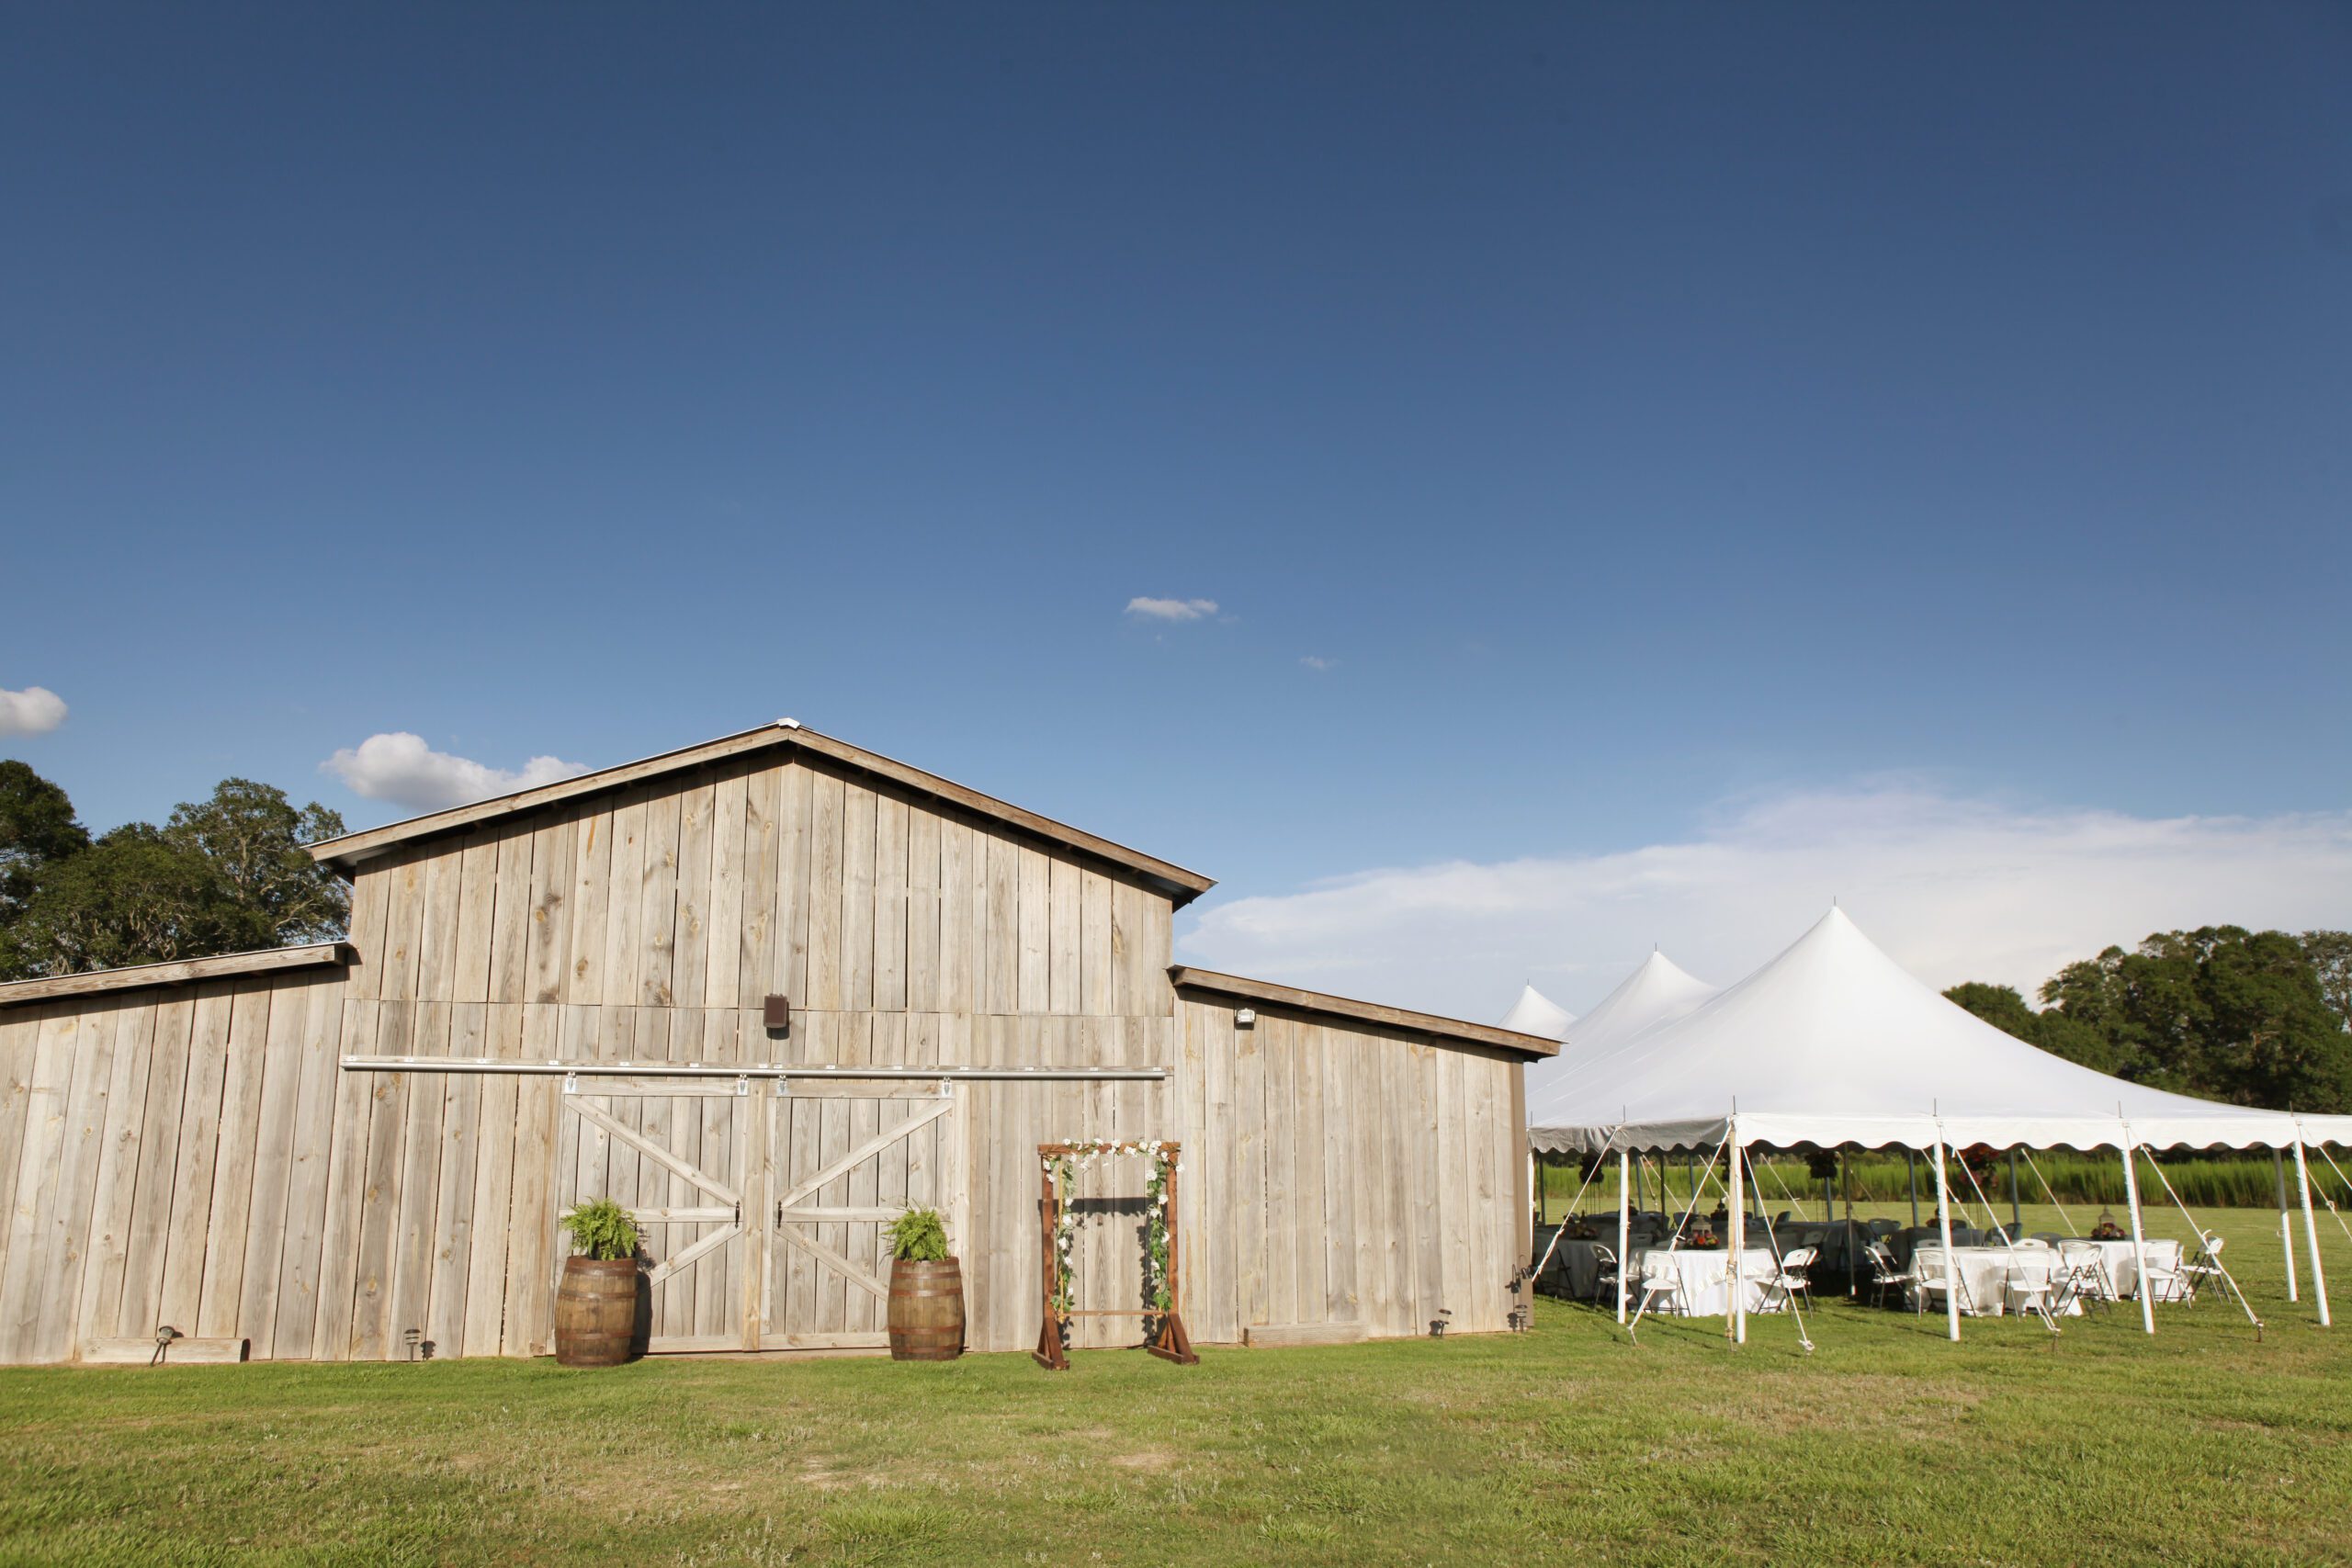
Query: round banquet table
[[2164, 1263], [1705, 1278]]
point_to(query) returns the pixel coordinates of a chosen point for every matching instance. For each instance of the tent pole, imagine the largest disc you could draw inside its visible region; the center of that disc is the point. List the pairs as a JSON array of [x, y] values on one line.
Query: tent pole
[[2310, 1227], [1911, 1170], [1845, 1185], [1535, 1183], [1943, 1225], [2139, 1243], [1739, 1238], [1624, 1225], [2286, 1225], [2017, 1220]]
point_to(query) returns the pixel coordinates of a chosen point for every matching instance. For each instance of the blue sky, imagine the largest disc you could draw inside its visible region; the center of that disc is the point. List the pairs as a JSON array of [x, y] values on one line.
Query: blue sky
[[1649, 416]]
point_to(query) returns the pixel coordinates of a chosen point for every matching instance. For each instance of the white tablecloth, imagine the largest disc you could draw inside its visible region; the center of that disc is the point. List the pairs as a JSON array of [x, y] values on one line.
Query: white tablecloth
[[1705, 1278], [1985, 1270], [2164, 1261]]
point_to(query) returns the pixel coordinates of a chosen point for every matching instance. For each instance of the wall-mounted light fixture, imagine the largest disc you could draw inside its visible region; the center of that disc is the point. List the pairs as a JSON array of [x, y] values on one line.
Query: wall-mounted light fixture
[[1246, 1018], [777, 1015]]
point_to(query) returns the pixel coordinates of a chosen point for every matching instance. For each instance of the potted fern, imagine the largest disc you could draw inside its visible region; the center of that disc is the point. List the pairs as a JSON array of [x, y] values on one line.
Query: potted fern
[[596, 1309], [926, 1290]]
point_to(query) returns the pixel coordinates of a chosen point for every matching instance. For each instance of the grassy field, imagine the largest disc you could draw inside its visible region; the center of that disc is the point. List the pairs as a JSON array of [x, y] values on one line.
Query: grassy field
[[1564, 1444]]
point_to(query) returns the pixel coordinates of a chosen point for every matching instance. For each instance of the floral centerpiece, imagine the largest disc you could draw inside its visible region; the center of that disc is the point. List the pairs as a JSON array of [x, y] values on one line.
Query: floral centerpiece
[[2106, 1229], [1701, 1236]]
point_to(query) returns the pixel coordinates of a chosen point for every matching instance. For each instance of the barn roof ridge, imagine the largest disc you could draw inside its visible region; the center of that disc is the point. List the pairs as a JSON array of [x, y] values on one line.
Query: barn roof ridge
[[352, 849], [1184, 977]]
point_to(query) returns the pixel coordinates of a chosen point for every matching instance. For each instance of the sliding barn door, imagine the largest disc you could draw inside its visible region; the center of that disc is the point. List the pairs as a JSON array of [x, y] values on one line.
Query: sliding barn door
[[844, 1161], [674, 1152]]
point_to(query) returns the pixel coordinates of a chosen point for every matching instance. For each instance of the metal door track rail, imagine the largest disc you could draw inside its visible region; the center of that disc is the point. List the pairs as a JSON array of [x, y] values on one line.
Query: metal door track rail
[[753, 1070]]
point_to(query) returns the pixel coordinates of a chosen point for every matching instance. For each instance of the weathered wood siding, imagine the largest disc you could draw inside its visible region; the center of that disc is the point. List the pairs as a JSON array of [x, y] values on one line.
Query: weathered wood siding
[[193, 1154], [1344, 1173], [710, 889]]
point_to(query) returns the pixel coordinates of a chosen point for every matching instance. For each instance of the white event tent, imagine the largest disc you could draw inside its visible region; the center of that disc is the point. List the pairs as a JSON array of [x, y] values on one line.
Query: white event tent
[[1535, 1013], [1833, 1043], [1658, 991]]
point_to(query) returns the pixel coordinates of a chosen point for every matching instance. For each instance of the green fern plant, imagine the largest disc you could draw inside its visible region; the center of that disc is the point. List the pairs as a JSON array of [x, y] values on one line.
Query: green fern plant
[[918, 1236], [602, 1230]]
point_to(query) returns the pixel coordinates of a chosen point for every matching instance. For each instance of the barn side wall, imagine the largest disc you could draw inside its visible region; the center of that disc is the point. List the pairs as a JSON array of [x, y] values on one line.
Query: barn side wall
[[1345, 1174]]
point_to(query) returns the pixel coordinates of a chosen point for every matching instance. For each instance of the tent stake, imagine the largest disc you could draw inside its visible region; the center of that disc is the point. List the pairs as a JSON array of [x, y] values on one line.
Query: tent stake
[[1943, 1225], [2310, 1227], [2286, 1224], [2139, 1244]]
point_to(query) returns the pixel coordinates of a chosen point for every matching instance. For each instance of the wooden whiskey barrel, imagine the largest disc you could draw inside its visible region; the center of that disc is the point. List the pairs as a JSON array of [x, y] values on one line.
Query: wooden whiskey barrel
[[595, 1312], [926, 1311]]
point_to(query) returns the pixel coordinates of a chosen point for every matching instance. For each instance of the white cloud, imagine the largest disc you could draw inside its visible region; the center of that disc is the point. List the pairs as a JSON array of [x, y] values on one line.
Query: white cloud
[[1956, 888], [402, 768], [1175, 610], [36, 710], [1316, 661]]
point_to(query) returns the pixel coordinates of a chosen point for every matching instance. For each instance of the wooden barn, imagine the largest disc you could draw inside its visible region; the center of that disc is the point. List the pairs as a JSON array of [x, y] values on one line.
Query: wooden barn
[[361, 1149]]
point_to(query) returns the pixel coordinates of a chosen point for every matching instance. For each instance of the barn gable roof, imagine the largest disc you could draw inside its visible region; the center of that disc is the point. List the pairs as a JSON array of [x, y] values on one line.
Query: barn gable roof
[[353, 849], [1185, 978]]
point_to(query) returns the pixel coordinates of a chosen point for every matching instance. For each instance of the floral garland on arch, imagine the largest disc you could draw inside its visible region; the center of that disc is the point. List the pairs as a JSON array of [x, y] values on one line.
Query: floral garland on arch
[[1084, 1153]]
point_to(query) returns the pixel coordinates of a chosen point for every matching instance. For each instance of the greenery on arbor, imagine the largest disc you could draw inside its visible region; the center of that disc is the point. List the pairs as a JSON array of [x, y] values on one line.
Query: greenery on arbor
[[2253, 1018], [226, 874]]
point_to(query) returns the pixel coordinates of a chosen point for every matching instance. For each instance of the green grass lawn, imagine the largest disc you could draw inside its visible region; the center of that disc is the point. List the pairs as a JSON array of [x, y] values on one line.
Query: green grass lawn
[[1566, 1443]]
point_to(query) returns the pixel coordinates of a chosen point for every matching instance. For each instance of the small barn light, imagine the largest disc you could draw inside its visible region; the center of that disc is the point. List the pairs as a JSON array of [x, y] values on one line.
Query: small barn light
[[1245, 1019], [776, 1014]]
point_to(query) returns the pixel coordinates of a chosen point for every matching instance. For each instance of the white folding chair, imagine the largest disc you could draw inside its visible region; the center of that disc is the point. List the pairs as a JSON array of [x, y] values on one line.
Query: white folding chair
[[1789, 1280], [1929, 1281], [1605, 1268], [1661, 1288], [2202, 1269], [2026, 1288], [1887, 1276]]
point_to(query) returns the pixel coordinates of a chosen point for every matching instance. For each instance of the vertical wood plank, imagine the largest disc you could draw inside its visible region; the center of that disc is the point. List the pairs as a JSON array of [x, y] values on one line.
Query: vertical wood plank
[[656, 937], [797, 835], [1094, 992], [510, 916], [760, 847], [1034, 916], [723, 948], [1342, 1302], [588, 923], [1251, 1181], [698, 852], [403, 924], [198, 1155], [624, 905], [530, 1232], [370, 903], [923, 904], [828, 960], [1065, 980], [451, 1256], [339, 1227], [436, 954], [221, 1289], [476, 909], [1000, 972], [494, 1188], [300, 1259], [272, 1157], [118, 1176], [891, 835], [858, 827], [1126, 919], [547, 940]]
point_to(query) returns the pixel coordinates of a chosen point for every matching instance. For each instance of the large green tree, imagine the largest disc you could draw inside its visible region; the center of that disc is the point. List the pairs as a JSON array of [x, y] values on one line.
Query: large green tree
[[225, 874], [2005, 1008], [2331, 959]]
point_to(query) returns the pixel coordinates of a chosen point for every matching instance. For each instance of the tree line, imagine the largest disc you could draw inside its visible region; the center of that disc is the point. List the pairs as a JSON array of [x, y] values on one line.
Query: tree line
[[2252, 1017], [226, 874]]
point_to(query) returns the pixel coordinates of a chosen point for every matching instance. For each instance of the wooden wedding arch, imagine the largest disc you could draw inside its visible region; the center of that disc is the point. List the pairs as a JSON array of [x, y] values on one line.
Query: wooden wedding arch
[[1170, 1341]]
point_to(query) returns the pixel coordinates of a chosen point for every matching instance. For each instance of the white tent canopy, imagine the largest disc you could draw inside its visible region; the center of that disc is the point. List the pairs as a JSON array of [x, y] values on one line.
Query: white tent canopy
[[1834, 1043], [1535, 1013], [1657, 992]]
